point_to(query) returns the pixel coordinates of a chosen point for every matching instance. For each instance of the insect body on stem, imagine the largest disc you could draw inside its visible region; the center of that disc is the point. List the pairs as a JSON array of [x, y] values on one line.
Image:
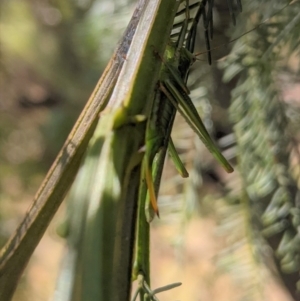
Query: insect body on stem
[[157, 142], [176, 63], [177, 60]]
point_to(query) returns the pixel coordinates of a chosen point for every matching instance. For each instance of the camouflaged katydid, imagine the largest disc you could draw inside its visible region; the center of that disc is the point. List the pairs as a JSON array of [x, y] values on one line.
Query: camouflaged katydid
[[172, 95], [157, 142]]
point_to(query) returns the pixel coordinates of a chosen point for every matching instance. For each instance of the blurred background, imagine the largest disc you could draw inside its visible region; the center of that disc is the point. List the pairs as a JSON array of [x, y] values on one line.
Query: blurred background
[[52, 54]]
